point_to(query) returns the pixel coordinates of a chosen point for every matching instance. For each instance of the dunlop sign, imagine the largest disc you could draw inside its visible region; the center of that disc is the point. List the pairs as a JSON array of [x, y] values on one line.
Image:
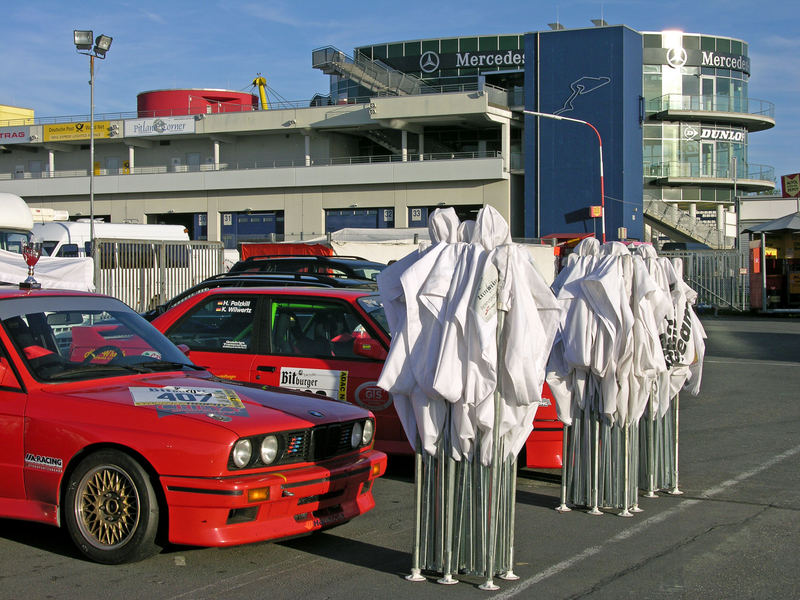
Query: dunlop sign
[[75, 131]]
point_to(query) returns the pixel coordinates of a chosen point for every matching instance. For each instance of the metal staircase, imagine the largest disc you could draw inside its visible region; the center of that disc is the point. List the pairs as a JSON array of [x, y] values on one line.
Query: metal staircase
[[682, 227], [372, 74]]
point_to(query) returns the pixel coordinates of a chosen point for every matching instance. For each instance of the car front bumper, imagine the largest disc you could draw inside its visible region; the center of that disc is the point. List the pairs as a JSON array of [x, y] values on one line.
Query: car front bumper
[[220, 512]]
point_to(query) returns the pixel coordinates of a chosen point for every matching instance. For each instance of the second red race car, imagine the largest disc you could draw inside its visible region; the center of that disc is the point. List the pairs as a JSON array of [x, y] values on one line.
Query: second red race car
[[331, 342]]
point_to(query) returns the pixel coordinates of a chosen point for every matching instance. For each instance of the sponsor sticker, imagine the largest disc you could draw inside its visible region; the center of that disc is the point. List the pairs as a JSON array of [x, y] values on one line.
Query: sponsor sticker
[[43, 463], [234, 345], [172, 400], [332, 384], [368, 395], [485, 300], [234, 306]]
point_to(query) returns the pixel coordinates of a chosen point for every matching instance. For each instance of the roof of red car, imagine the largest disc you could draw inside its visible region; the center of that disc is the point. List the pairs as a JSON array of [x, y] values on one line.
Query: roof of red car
[[291, 291]]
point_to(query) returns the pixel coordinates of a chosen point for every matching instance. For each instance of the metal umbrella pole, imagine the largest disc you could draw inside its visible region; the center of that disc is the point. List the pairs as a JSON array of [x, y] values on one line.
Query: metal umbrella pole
[[626, 458], [651, 450], [490, 541], [509, 575], [565, 430], [449, 498], [416, 572], [595, 417], [675, 491]]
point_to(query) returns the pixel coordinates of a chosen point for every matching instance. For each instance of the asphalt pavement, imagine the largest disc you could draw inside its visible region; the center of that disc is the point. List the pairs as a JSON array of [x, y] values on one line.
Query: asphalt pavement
[[733, 533]]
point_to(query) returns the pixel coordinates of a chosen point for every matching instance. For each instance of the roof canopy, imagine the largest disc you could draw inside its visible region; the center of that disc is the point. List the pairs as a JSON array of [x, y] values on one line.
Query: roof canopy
[[788, 223]]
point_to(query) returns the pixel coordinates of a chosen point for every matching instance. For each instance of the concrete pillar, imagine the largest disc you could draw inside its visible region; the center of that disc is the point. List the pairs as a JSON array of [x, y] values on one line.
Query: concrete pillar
[[505, 147], [720, 217], [693, 210], [307, 139], [404, 144], [421, 146], [131, 156], [216, 167], [51, 162]]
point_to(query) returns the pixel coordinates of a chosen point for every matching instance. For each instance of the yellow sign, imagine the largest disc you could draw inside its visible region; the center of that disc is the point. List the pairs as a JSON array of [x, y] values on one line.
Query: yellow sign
[[75, 131]]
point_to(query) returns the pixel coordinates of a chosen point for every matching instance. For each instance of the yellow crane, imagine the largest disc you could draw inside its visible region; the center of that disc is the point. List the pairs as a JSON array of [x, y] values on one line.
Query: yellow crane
[[261, 83]]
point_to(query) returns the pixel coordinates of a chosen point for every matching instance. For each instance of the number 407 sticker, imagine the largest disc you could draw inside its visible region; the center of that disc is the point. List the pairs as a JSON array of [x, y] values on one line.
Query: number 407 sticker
[[176, 399]]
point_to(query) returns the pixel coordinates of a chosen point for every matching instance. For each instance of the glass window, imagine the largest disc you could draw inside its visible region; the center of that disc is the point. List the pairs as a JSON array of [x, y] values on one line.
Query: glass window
[[651, 90], [691, 194], [314, 328], [652, 131], [430, 45], [724, 46], [672, 130], [219, 324], [395, 51], [8, 380], [487, 43], [736, 47], [708, 44], [707, 195], [509, 42], [449, 46], [412, 48], [378, 52], [671, 194], [652, 40], [691, 42], [468, 44]]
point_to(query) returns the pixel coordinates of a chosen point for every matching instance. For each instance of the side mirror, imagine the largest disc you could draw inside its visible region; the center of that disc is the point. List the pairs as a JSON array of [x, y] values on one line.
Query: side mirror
[[369, 348]]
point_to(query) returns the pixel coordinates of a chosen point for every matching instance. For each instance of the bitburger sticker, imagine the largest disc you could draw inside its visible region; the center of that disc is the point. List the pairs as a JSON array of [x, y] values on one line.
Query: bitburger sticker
[[332, 384]]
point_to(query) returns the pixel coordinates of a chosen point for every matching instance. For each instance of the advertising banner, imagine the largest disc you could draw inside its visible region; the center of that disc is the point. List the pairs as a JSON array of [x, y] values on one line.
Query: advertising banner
[[13, 135], [159, 126], [790, 185], [63, 132]]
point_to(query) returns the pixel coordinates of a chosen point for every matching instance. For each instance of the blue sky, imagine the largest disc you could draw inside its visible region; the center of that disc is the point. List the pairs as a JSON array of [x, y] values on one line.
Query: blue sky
[[215, 44]]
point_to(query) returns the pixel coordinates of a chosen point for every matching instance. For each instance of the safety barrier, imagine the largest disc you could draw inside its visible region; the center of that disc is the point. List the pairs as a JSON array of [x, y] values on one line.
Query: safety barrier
[[145, 273], [718, 276]]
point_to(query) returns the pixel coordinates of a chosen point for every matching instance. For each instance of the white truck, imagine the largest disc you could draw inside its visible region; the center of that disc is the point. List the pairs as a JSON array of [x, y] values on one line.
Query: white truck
[[16, 222], [71, 238]]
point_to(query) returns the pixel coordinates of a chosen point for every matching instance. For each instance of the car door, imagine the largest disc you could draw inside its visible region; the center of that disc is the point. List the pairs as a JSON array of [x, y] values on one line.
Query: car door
[[221, 333], [12, 416], [311, 345]]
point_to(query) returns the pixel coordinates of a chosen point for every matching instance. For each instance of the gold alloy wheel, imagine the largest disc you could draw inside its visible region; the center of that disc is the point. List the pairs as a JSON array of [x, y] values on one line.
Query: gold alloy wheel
[[107, 507]]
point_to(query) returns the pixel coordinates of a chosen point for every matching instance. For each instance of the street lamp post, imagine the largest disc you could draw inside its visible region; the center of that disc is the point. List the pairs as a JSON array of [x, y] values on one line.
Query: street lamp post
[[600, 140], [84, 41]]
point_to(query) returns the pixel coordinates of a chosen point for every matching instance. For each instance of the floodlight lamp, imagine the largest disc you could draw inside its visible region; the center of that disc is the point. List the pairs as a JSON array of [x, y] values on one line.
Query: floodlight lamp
[[103, 42], [83, 39]]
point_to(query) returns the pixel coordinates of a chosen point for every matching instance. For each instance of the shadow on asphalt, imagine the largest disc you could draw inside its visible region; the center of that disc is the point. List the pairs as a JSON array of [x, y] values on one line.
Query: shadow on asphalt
[[353, 552], [42, 537], [754, 345]]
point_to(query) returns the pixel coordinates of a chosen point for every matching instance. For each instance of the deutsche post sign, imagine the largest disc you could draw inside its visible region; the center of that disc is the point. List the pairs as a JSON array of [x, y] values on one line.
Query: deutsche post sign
[[75, 131]]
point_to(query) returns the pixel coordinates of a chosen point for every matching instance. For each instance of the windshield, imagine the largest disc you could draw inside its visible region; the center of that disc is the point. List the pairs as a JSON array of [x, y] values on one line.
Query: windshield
[[70, 338], [13, 241], [373, 307]]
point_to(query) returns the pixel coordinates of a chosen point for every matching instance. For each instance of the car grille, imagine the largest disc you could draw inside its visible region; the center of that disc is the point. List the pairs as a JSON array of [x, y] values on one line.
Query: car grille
[[319, 443]]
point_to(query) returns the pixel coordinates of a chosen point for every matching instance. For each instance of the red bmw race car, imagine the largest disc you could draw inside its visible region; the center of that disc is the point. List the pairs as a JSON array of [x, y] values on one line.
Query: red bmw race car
[[330, 342], [107, 429]]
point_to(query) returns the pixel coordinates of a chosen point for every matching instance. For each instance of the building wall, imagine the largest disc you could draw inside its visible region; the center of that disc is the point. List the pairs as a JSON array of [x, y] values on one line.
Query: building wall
[[592, 75]]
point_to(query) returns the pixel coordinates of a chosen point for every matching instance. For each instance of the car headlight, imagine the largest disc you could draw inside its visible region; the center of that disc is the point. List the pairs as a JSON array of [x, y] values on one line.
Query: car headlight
[[269, 449], [369, 431], [242, 452], [355, 435]]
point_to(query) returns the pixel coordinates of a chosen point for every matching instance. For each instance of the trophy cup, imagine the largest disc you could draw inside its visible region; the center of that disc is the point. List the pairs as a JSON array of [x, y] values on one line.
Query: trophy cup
[[31, 251]]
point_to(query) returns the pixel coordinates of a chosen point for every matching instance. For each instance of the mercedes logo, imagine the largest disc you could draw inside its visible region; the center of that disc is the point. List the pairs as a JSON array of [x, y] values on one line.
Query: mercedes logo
[[429, 62], [676, 57]]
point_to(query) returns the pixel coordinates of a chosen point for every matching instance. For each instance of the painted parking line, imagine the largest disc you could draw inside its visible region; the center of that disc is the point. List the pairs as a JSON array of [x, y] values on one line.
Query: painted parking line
[[643, 526]]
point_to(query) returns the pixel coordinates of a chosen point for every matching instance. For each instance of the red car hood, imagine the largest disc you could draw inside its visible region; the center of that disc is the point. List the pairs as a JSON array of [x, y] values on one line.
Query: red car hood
[[251, 410]]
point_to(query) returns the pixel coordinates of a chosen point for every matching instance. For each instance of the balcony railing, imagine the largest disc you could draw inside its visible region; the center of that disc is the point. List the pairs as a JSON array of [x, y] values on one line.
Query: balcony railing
[[717, 103], [269, 164], [720, 170]]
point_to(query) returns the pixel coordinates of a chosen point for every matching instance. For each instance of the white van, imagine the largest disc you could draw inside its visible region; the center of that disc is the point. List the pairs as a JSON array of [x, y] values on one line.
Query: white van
[[71, 238], [16, 222]]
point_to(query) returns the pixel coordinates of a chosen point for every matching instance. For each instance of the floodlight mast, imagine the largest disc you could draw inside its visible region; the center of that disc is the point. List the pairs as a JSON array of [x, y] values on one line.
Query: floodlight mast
[[83, 44], [600, 141]]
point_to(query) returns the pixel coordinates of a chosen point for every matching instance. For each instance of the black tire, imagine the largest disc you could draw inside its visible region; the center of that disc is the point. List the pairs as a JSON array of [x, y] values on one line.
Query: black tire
[[111, 510]]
